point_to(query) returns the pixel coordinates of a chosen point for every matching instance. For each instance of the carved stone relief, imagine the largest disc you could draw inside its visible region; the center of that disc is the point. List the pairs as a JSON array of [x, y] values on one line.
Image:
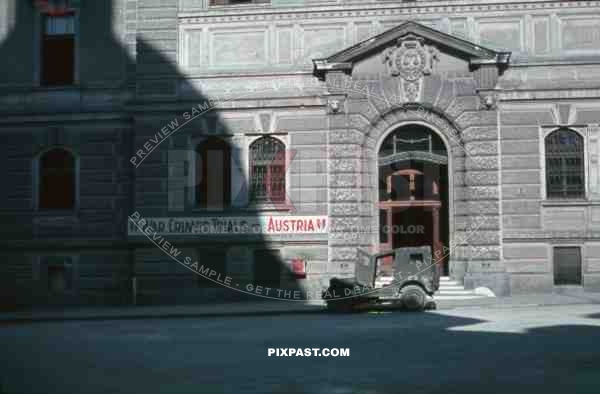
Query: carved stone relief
[[411, 60]]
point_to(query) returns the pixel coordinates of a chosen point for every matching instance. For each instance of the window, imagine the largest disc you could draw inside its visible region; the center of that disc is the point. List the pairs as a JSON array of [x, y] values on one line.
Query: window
[[213, 172], [57, 49], [412, 138], [59, 274], [267, 268], [267, 170], [565, 165], [56, 188], [216, 260], [236, 2], [567, 265]]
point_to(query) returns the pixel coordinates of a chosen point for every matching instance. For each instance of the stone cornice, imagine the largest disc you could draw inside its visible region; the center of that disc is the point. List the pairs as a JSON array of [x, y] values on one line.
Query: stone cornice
[[548, 94], [371, 9]]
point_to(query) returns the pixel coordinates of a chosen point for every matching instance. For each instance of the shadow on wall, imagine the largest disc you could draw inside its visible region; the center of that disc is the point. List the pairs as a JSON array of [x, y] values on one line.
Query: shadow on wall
[[134, 98]]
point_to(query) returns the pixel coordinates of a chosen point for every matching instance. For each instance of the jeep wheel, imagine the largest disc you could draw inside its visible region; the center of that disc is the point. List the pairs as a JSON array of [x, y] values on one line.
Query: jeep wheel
[[413, 298]]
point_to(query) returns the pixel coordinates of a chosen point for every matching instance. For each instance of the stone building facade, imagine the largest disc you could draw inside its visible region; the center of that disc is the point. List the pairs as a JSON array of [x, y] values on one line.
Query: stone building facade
[[496, 102]]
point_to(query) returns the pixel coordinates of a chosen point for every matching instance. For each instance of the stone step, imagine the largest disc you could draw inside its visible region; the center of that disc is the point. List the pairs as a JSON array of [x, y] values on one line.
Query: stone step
[[447, 286], [444, 286], [451, 290], [445, 297], [456, 292], [446, 279]]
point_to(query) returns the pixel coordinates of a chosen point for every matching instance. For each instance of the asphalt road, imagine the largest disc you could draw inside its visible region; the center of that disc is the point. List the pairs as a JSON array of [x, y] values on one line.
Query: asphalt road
[[529, 349]]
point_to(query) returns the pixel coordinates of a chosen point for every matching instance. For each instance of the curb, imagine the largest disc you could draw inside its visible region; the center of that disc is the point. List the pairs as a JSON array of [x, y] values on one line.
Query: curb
[[151, 315]]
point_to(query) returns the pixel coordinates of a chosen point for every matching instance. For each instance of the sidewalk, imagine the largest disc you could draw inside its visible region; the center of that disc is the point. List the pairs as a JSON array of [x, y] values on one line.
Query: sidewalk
[[267, 308], [529, 300], [166, 311]]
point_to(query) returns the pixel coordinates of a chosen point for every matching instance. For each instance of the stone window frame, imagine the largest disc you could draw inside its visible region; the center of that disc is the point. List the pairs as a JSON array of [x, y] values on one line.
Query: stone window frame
[[284, 139], [37, 46], [583, 132], [36, 179]]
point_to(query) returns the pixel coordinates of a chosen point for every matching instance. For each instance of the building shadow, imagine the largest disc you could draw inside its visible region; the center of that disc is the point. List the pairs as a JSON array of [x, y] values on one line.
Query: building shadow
[[120, 100], [390, 353]]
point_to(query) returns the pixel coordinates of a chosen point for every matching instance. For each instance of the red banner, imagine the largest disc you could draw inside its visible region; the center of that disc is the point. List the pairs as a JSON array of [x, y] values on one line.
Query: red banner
[[53, 8]]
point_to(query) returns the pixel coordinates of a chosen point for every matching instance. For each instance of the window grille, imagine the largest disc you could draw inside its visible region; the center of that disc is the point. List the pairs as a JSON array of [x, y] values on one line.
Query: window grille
[[565, 165], [267, 170]]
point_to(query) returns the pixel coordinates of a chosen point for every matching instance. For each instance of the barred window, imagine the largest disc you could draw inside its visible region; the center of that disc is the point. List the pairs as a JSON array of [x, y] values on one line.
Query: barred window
[[267, 170], [564, 164], [57, 180]]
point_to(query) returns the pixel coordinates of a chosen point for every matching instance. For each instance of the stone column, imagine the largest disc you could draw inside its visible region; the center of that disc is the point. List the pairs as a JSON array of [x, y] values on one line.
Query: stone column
[[239, 171], [594, 161], [435, 217]]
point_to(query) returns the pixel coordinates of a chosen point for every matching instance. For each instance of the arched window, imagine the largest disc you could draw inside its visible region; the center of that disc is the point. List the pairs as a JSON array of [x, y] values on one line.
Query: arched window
[[56, 180], [267, 170], [213, 174], [565, 164]]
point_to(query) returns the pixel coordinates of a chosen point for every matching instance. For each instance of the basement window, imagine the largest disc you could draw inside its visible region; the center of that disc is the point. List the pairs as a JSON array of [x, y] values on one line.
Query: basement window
[[59, 274], [567, 265], [267, 268], [215, 259]]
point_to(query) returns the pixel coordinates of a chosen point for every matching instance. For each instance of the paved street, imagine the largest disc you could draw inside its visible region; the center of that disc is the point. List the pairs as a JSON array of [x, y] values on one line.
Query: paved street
[[469, 350]]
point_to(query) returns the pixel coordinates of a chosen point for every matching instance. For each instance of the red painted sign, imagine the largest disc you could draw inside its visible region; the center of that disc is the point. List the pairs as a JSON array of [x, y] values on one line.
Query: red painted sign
[[299, 268]]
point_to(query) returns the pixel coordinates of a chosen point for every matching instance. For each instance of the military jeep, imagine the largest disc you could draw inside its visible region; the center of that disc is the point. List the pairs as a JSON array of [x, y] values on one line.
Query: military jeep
[[400, 278]]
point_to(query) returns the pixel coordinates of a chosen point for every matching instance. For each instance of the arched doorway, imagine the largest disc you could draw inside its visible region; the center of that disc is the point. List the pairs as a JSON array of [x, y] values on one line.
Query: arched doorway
[[413, 191]]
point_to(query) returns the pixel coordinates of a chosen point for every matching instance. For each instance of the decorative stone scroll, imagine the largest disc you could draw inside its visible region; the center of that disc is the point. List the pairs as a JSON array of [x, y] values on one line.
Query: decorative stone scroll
[[411, 59]]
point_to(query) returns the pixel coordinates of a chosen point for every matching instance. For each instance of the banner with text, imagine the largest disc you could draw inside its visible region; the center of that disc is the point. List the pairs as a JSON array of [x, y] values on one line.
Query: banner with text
[[271, 224]]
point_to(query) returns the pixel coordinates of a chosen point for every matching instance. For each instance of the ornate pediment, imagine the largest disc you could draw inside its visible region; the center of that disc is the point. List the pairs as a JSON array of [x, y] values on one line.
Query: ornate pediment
[[410, 51]]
